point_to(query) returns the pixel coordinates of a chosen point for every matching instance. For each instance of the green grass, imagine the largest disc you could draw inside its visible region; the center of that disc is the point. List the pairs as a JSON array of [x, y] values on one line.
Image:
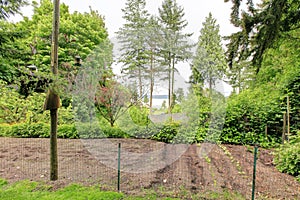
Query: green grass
[[29, 190]]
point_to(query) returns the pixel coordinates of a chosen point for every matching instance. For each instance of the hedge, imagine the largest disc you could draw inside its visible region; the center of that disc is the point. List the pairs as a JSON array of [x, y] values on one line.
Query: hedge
[[71, 131]]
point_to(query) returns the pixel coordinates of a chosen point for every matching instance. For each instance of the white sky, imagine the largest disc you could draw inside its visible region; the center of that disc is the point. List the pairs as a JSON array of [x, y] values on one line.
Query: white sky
[[195, 13]]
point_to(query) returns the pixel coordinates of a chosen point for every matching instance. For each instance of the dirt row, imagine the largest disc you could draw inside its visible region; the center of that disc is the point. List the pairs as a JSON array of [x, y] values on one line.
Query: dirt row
[[147, 164]]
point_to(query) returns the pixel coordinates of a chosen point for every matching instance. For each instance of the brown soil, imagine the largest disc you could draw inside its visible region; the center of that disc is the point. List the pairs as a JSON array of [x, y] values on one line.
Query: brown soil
[[197, 168]]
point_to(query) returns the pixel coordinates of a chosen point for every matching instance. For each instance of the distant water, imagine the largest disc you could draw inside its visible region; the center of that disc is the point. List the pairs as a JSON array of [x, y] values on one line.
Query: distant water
[[158, 100], [158, 96]]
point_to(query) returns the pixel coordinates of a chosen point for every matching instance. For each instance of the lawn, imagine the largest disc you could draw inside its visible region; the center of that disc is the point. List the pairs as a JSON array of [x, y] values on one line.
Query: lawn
[[28, 190]]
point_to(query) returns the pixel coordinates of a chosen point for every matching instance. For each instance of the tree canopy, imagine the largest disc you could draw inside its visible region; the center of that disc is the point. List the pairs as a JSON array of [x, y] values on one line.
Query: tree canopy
[[209, 63], [260, 26], [11, 7], [80, 34]]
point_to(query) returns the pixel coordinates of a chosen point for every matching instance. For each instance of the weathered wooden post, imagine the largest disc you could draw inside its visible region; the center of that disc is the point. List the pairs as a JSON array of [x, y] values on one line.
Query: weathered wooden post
[[284, 128], [52, 101], [288, 117]]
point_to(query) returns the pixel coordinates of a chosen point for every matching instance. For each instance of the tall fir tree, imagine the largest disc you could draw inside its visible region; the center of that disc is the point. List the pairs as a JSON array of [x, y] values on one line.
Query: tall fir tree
[[209, 63], [132, 39], [260, 27], [154, 68], [175, 46]]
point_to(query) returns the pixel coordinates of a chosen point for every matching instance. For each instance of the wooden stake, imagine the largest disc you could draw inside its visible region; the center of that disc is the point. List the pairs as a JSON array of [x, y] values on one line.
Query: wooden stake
[[288, 118], [283, 128]]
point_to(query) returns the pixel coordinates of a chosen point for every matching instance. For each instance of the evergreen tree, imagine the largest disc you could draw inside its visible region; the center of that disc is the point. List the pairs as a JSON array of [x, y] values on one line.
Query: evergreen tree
[[260, 27], [174, 46], [132, 39], [209, 63], [154, 68], [10, 7]]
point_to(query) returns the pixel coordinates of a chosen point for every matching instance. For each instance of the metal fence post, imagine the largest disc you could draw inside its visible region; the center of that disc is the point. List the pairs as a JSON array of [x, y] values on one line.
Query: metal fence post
[[254, 170], [119, 166]]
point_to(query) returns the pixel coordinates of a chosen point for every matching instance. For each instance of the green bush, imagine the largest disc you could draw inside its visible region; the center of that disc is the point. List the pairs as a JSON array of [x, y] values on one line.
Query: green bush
[[26, 130], [4, 128], [89, 130], [167, 133], [139, 115], [249, 113], [287, 157], [67, 131], [36, 130], [185, 137], [114, 132], [71, 131], [144, 132]]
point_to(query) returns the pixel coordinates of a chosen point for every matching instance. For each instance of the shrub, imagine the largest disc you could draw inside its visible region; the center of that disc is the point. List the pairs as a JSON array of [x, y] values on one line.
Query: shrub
[[144, 132], [67, 131], [167, 133], [139, 115], [87, 130], [36, 130], [114, 132], [287, 157], [249, 113], [71, 131]]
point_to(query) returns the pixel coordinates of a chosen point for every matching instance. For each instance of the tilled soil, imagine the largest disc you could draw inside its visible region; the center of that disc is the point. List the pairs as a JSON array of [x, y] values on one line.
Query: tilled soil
[[147, 164]]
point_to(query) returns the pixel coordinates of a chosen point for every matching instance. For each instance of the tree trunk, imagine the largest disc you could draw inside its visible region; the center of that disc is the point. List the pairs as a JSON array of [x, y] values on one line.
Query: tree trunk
[[53, 110], [284, 128], [169, 89], [140, 83], [239, 81], [210, 87], [53, 146], [112, 123], [151, 81], [173, 81]]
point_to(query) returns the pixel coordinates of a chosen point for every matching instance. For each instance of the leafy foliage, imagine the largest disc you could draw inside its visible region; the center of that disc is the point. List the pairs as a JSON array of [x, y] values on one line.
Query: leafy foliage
[[260, 28], [110, 100], [287, 157], [139, 115], [167, 133], [249, 113], [29, 42]]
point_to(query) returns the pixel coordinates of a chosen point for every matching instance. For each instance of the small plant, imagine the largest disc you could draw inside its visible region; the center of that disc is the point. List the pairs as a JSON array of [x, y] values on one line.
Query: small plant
[[207, 159], [237, 163]]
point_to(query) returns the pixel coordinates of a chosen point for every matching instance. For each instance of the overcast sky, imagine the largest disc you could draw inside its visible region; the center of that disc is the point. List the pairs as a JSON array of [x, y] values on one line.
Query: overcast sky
[[195, 13]]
